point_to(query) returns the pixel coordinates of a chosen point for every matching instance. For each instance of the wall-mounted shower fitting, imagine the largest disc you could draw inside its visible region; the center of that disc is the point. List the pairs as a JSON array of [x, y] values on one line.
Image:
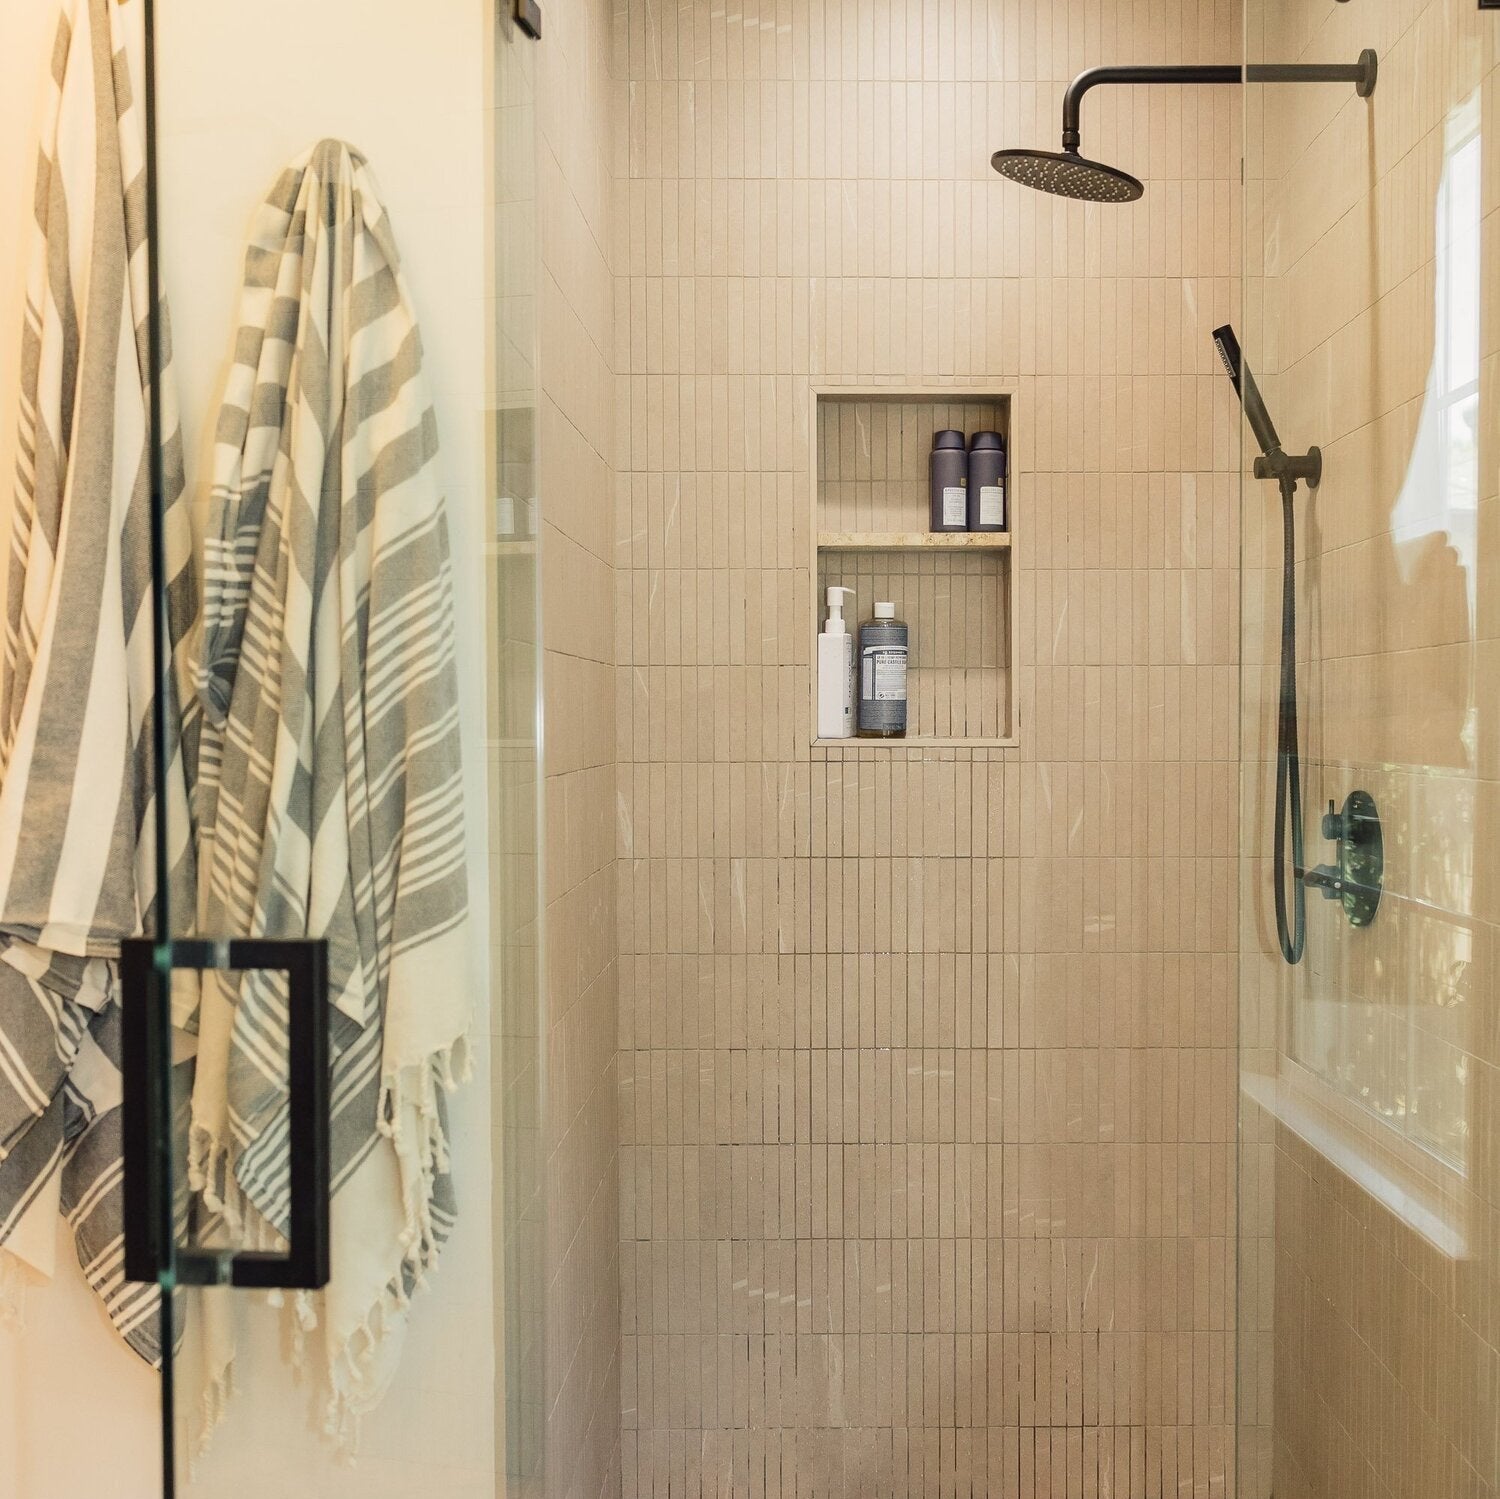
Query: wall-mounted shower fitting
[[1276, 463], [1070, 175], [1308, 466], [1358, 876]]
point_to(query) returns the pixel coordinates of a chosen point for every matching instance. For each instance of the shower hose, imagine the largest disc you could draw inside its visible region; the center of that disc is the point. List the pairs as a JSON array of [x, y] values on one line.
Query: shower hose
[[1288, 757]]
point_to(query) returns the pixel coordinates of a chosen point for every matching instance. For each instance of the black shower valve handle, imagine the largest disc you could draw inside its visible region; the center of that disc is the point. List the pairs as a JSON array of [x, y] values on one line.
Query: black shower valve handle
[[1343, 826], [1357, 875], [1327, 879], [1333, 823]]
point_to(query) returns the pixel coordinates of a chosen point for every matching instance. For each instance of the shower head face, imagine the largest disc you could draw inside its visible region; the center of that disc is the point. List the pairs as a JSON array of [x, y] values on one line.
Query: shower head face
[[1067, 175]]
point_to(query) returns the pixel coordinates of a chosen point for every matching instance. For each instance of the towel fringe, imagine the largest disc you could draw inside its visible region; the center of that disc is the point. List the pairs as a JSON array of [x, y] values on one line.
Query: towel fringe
[[422, 1153], [211, 1176], [213, 1406], [409, 1117]]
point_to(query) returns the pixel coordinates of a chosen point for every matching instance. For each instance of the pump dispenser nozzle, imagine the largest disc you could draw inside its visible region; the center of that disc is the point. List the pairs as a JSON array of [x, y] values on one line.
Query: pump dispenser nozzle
[[834, 624]]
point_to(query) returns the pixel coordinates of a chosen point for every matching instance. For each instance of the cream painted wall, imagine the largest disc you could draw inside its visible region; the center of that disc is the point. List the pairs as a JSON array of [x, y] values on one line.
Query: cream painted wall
[[240, 97], [26, 30]]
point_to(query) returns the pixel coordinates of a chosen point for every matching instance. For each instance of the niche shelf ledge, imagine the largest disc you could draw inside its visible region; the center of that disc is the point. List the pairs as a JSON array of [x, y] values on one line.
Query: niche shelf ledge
[[913, 541], [915, 742]]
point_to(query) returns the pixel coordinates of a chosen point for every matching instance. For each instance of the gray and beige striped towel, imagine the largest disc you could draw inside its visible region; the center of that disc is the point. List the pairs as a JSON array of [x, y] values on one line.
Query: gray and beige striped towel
[[315, 731], [77, 867], [331, 798]]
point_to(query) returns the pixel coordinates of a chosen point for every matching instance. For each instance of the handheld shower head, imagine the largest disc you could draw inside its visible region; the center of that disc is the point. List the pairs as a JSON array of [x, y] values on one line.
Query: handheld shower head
[[1247, 390], [1291, 925]]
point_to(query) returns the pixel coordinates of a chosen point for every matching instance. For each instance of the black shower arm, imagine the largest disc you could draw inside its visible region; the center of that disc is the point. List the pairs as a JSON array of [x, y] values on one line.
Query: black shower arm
[[1361, 74]]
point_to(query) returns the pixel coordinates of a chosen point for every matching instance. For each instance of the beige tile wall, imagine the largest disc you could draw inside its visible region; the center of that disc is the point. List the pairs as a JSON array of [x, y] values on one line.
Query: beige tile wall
[[576, 110], [1371, 1299], [927, 1058]]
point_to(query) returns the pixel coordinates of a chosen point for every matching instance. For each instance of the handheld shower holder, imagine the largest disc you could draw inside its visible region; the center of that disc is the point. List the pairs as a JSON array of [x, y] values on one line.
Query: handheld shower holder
[[1308, 466]]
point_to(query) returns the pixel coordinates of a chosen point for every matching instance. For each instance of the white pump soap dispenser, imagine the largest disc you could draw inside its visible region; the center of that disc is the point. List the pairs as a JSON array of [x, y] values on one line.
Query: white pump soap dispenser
[[836, 670]]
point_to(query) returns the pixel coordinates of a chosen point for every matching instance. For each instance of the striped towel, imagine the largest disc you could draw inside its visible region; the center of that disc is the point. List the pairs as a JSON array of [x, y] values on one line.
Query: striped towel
[[77, 866], [330, 797]]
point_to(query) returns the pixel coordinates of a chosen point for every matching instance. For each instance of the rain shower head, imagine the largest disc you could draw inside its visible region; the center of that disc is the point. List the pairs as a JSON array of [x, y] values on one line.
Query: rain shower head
[[1068, 175]]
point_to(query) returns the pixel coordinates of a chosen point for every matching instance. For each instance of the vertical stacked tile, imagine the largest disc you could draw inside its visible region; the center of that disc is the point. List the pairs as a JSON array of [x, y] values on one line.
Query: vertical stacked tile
[[926, 1056]]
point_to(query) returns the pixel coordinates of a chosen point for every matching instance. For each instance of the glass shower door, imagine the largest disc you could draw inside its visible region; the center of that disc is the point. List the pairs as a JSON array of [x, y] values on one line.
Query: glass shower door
[[1369, 1276], [306, 1048], [226, 1146]]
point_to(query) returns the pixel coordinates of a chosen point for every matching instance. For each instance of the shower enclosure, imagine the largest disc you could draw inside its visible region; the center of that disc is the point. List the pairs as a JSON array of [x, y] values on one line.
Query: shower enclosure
[[1366, 1307], [891, 1150], [1369, 1286]]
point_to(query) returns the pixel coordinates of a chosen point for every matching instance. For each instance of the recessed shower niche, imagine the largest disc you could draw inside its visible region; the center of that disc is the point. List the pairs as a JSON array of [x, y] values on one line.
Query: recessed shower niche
[[955, 590]]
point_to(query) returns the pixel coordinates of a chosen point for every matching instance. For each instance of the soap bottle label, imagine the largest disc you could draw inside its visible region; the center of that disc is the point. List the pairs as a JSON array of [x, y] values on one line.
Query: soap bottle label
[[884, 675], [991, 505], [955, 505]]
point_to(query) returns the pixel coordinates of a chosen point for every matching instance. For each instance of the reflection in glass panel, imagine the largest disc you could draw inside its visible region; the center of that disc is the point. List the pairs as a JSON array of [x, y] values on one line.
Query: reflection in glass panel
[[1395, 1045], [514, 771]]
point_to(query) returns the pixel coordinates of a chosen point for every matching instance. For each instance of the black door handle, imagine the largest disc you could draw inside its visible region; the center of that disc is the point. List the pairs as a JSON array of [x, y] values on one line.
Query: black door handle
[[529, 17], [151, 1247]]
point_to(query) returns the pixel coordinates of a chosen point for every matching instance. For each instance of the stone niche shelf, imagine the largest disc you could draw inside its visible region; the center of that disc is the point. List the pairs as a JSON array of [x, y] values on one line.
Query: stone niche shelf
[[955, 590], [912, 541]]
